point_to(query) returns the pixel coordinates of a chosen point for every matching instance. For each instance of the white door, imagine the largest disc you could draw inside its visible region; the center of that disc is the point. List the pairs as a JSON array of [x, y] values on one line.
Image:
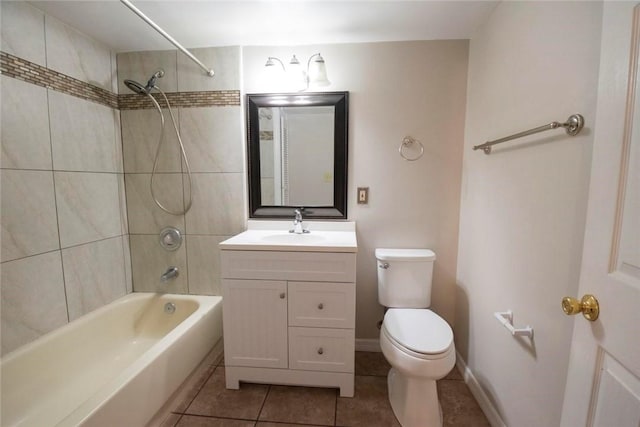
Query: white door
[[603, 384]]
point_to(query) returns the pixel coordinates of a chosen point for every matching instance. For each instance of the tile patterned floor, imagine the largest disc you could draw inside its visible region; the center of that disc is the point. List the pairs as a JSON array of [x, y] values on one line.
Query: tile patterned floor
[[209, 404]]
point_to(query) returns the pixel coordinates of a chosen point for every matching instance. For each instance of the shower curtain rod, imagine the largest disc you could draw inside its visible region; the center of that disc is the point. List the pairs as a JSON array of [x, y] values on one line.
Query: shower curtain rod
[[164, 34]]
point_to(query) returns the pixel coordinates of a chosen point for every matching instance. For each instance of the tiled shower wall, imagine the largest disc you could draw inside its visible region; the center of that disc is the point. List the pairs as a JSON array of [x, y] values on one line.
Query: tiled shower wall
[[64, 229], [211, 129], [67, 152]]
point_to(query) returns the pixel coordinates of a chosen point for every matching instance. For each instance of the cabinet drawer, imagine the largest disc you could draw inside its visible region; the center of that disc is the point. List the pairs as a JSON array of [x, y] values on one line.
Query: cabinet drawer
[[273, 265], [325, 305], [320, 349]]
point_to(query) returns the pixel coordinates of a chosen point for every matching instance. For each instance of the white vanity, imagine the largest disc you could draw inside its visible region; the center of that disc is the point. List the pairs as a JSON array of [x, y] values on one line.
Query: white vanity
[[289, 305]]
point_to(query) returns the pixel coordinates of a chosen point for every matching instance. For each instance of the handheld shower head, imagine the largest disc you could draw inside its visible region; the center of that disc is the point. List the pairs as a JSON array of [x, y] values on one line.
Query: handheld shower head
[[145, 90], [136, 87]]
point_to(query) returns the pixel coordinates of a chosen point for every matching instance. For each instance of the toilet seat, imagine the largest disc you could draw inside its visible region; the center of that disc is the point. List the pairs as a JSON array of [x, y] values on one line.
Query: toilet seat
[[420, 333]]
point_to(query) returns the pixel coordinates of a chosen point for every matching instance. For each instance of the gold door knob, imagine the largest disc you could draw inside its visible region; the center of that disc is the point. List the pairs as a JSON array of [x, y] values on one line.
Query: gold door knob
[[588, 306]]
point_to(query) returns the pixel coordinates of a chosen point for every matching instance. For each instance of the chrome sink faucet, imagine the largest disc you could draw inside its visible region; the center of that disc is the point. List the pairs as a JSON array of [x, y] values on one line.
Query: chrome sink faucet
[[297, 223]]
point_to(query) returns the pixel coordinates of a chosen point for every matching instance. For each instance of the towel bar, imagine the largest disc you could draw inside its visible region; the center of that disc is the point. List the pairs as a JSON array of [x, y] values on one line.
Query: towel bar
[[573, 126]]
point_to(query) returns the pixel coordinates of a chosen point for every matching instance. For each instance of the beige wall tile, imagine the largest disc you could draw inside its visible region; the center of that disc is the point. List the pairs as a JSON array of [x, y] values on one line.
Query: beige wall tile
[[85, 136], [204, 264], [33, 300], [149, 261], [140, 66], [225, 61], [28, 214], [141, 131], [145, 217], [122, 194], [72, 53], [88, 207], [126, 248], [94, 275], [212, 138], [22, 31], [218, 204], [117, 132], [114, 73], [82, 135], [24, 126]]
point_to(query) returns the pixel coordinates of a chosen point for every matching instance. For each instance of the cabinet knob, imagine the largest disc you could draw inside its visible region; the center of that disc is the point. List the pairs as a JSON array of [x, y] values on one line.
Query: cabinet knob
[[282, 295], [320, 350], [320, 306]]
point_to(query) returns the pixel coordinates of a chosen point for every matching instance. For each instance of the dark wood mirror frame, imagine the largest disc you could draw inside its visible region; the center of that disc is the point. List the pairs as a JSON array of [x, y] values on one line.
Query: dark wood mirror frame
[[340, 101]]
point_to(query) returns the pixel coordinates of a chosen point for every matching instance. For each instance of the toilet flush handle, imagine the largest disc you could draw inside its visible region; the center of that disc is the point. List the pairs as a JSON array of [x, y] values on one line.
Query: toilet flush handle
[[384, 265]]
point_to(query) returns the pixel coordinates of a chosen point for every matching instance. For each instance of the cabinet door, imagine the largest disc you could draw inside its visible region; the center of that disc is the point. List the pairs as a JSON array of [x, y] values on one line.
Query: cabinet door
[[255, 323]]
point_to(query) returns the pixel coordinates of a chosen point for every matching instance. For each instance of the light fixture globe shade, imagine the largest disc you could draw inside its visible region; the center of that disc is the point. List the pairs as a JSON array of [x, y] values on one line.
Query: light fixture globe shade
[[274, 75], [296, 75], [318, 72]]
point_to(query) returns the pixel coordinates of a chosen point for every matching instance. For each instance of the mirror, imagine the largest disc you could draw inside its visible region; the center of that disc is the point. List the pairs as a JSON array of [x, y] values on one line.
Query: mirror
[[297, 151]]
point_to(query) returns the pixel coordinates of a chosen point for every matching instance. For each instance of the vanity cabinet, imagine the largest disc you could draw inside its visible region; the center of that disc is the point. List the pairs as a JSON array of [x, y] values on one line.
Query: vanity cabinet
[[289, 318]]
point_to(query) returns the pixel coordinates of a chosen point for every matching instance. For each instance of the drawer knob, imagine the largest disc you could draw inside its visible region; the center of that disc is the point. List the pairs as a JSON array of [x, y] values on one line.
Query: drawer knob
[[320, 306], [320, 350], [282, 295]]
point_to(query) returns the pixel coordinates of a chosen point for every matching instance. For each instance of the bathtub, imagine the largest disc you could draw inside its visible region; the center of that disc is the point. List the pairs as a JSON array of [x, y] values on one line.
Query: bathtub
[[115, 366]]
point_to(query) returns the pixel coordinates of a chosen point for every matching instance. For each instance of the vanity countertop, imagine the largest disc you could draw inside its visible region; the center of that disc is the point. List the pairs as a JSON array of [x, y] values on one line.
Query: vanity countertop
[[324, 236]]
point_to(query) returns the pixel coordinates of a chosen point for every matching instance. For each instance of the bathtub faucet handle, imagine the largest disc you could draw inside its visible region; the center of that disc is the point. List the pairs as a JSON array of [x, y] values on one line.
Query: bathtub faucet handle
[[171, 273]]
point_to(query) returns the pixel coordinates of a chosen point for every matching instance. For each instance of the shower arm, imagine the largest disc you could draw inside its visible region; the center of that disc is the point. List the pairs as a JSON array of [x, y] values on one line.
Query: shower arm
[[164, 34]]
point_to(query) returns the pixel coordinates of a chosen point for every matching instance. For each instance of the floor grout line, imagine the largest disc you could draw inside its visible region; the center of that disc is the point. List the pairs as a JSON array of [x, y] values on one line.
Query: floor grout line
[[264, 401]]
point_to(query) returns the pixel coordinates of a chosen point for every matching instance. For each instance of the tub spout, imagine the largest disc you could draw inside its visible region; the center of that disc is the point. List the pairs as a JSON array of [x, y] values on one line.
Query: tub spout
[[171, 273]]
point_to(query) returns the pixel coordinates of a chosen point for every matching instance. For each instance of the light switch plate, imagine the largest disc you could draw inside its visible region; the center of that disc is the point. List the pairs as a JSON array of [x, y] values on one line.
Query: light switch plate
[[363, 195]]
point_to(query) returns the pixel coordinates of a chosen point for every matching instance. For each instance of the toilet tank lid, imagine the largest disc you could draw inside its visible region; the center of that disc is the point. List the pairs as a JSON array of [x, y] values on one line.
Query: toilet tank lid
[[383, 254]]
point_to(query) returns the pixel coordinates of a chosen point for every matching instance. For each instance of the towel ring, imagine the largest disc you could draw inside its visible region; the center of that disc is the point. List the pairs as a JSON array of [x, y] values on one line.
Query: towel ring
[[406, 142]]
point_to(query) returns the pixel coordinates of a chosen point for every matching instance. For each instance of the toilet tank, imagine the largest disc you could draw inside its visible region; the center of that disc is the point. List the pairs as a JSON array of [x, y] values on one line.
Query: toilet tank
[[404, 277]]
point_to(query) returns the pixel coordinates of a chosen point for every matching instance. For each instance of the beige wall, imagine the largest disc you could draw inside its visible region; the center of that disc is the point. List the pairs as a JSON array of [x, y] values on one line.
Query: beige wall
[[523, 207], [64, 246], [395, 89]]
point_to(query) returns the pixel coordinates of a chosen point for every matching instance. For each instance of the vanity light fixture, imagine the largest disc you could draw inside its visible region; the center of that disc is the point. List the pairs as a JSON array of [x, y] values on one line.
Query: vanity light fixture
[[314, 75]]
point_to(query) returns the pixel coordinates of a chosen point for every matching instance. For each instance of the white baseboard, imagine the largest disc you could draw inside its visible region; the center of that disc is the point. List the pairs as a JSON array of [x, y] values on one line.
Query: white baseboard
[[368, 344], [483, 400]]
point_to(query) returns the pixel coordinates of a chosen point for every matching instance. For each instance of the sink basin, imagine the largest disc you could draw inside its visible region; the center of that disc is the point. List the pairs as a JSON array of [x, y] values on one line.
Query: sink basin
[[275, 236], [293, 238]]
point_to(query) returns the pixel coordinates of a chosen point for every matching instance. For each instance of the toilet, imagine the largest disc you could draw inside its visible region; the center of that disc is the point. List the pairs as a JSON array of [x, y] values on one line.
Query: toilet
[[417, 343]]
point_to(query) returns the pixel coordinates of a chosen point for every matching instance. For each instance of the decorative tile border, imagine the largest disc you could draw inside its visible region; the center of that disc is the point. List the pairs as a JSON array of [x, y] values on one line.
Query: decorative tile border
[[30, 72], [181, 99], [21, 69]]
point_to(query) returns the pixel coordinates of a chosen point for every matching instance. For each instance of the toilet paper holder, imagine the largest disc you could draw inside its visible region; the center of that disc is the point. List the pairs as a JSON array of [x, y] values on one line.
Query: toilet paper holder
[[506, 319]]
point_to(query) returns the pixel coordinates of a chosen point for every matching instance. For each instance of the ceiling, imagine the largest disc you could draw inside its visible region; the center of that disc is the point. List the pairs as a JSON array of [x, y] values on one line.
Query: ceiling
[[250, 23]]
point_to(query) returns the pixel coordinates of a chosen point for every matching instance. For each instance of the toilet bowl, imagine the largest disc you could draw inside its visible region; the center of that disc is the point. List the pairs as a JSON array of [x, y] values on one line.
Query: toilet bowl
[[417, 343]]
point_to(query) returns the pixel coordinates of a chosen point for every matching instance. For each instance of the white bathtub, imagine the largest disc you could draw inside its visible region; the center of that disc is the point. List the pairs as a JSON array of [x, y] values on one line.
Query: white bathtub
[[116, 366]]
